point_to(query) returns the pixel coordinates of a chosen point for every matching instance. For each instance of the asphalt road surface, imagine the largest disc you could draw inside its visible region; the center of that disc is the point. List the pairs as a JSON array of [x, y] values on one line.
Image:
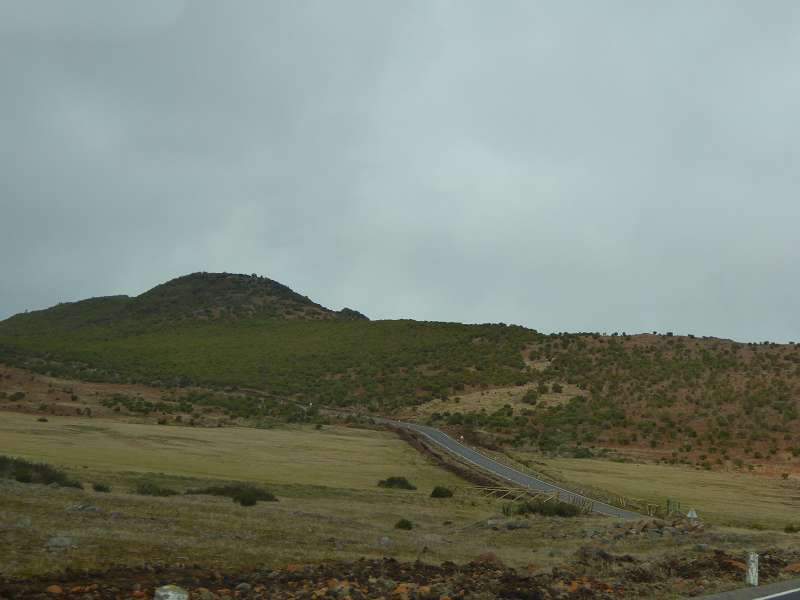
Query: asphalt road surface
[[484, 462], [786, 590]]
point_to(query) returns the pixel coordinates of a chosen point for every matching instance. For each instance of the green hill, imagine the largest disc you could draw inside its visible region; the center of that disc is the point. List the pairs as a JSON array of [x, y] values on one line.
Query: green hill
[[236, 330], [199, 296], [709, 402]]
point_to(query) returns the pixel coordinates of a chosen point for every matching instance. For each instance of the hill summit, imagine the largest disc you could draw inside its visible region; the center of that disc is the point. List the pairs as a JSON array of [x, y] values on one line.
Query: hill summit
[[198, 296], [227, 295]]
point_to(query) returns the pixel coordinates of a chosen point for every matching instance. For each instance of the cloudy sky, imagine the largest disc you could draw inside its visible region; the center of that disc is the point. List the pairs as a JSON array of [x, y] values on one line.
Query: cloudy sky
[[596, 165]]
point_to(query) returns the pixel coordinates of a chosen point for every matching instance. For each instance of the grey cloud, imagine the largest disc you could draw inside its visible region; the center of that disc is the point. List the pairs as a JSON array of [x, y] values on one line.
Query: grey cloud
[[563, 165]]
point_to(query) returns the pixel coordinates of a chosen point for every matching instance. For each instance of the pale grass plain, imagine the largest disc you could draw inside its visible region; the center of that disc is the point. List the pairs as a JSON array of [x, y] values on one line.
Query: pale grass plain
[[329, 507], [720, 497], [326, 480], [333, 456]]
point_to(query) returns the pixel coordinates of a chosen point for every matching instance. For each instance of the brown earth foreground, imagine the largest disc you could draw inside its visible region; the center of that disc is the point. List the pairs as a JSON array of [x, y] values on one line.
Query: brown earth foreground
[[593, 574]]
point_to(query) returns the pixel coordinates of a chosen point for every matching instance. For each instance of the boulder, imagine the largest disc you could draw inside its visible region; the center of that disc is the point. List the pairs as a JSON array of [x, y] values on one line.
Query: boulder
[[60, 542], [171, 592]]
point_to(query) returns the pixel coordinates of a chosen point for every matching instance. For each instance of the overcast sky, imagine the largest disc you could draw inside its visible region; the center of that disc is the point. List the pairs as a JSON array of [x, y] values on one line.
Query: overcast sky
[[569, 166]]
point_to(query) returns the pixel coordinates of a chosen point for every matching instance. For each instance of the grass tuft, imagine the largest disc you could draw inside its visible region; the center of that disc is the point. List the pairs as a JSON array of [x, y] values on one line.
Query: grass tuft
[[397, 483], [441, 492], [149, 488]]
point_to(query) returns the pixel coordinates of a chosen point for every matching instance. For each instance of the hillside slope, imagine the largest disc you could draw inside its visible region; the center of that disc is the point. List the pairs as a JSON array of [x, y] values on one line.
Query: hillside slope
[[233, 330], [708, 402], [680, 399]]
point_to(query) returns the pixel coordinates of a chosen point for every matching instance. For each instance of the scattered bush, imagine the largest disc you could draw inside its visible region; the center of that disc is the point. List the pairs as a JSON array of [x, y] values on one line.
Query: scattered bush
[[149, 488], [404, 524], [441, 492], [29, 472], [244, 493], [553, 508], [398, 483], [101, 487], [42, 419], [582, 452], [792, 528]]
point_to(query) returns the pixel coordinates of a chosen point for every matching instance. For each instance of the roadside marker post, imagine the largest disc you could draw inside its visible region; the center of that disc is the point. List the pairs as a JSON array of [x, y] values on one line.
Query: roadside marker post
[[752, 569]]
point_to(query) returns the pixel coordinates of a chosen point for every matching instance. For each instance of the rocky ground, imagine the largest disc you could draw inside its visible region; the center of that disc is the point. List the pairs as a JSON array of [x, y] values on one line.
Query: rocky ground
[[594, 573]]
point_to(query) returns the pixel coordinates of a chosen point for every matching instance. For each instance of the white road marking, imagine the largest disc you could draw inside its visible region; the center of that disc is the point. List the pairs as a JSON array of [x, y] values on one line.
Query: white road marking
[[778, 595]]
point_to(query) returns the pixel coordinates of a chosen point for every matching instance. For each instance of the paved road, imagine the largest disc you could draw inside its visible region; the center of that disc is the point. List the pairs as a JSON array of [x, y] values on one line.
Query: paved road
[[786, 590], [484, 462]]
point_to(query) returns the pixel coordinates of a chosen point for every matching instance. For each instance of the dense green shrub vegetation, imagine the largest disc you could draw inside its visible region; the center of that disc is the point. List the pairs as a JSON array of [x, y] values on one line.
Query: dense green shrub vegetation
[[383, 364], [404, 524], [29, 472], [397, 483]]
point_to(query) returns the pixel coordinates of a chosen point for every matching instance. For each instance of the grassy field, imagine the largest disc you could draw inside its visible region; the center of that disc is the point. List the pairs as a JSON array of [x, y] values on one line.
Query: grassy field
[[733, 499], [326, 481], [333, 456], [329, 503]]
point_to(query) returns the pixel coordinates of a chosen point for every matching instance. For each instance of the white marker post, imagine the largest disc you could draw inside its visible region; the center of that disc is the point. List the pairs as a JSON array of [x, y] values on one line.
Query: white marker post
[[752, 569]]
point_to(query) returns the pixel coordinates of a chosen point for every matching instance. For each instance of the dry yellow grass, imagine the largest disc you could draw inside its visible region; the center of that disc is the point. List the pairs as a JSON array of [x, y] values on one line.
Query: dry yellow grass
[[726, 498], [329, 504], [490, 400], [334, 456]]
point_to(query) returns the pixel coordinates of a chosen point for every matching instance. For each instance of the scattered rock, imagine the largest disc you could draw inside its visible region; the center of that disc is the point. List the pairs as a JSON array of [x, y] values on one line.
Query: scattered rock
[[589, 554], [431, 538], [244, 588], [793, 568], [488, 558], [60, 542], [171, 592], [606, 576], [385, 542], [86, 508]]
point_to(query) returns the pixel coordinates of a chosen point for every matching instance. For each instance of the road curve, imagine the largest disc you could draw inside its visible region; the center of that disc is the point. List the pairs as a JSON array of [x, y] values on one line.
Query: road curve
[[500, 470]]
